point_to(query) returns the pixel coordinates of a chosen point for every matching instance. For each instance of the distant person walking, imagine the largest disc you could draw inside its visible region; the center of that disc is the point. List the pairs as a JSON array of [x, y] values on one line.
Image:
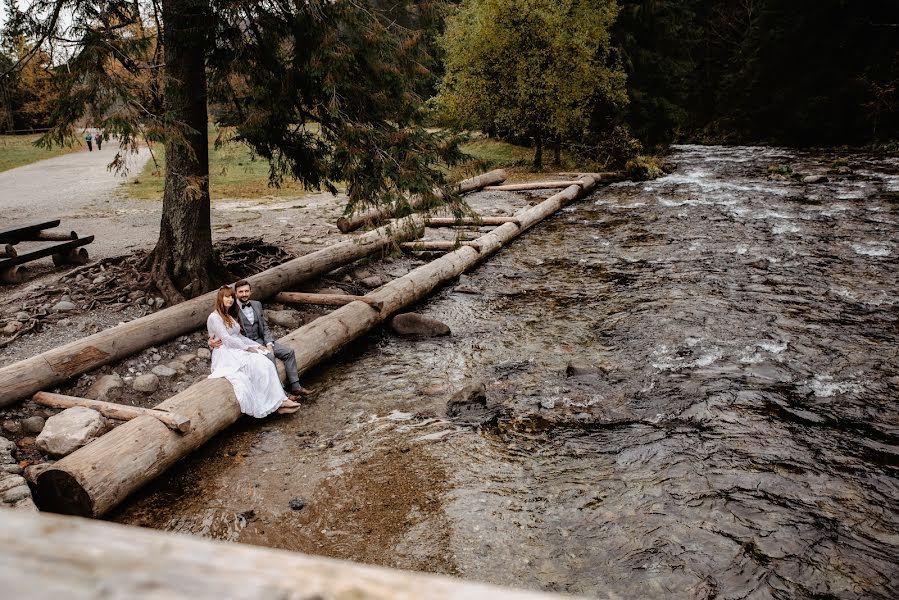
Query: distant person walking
[[87, 140], [99, 139]]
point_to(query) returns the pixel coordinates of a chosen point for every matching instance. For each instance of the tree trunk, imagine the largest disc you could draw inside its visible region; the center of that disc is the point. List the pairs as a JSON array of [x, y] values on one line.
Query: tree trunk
[[557, 152], [538, 153], [182, 264]]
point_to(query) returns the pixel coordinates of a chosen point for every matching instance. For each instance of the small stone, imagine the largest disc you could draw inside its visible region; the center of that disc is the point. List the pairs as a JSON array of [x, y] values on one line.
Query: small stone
[[306, 240], [23, 316], [13, 469], [17, 493], [580, 369], [107, 387], [12, 327], [371, 282], [296, 504], [98, 279], [63, 306], [814, 179], [177, 365], [466, 289], [64, 322], [155, 358], [418, 325], [204, 353], [285, 318], [159, 302], [164, 371], [12, 426], [33, 424], [69, 430], [147, 384]]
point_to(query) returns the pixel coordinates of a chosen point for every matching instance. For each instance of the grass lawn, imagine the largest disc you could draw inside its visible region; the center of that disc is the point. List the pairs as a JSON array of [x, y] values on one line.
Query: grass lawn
[[235, 173], [18, 150]]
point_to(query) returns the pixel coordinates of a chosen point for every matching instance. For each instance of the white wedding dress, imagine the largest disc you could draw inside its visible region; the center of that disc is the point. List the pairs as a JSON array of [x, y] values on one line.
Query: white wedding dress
[[253, 376]]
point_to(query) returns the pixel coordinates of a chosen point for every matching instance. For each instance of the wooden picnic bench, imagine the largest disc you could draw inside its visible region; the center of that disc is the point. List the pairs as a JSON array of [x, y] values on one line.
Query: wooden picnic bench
[[12, 263]]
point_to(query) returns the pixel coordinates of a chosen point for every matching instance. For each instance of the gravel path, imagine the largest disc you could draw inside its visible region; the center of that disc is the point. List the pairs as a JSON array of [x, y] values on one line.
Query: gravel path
[[78, 189]]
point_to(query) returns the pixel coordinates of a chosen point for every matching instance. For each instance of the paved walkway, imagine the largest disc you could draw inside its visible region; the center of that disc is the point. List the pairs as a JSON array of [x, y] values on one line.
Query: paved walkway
[[78, 189]]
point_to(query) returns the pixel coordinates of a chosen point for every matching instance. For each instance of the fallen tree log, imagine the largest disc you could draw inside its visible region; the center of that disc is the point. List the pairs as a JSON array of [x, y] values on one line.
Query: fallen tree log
[[530, 185], [436, 245], [120, 412], [97, 477], [376, 215], [48, 556], [324, 299], [22, 379], [451, 221]]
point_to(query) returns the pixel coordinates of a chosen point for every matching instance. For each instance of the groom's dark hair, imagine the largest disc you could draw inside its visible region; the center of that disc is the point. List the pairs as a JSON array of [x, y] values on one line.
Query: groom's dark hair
[[241, 283]]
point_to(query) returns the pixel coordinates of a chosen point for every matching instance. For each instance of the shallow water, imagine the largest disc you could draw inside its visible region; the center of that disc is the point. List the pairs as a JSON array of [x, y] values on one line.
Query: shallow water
[[738, 436]]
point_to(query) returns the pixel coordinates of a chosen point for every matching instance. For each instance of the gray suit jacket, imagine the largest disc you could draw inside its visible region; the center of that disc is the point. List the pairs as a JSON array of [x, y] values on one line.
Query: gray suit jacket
[[267, 337]]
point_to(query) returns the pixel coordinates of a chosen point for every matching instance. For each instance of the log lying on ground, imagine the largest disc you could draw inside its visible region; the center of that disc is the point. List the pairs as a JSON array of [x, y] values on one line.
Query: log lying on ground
[[48, 556], [450, 221], [119, 412], [436, 245], [24, 378], [95, 478], [377, 215], [530, 185], [324, 299]]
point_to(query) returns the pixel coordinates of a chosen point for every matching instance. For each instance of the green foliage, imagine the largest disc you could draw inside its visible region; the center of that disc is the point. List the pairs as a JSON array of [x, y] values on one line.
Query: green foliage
[[530, 68], [785, 170], [642, 168]]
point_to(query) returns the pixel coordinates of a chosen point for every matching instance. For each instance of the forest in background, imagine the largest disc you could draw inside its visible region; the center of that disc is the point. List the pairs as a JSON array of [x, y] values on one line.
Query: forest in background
[[823, 72]]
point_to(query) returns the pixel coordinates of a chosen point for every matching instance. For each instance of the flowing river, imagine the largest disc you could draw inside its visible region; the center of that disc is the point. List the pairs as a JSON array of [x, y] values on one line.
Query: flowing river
[[728, 426]]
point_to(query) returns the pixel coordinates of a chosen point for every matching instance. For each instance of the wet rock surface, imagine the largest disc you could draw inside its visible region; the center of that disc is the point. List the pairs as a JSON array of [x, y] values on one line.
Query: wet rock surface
[[414, 324]]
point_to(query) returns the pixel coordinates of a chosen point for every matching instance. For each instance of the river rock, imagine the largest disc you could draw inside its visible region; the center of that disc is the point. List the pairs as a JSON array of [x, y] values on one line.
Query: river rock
[[23, 316], [177, 365], [69, 430], [12, 327], [204, 353], [473, 394], [33, 424], [12, 426], [186, 357], [284, 318], [63, 306], [371, 282], [147, 384], [164, 371], [106, 388], [7, 447], [814, 179], [420, 325], [577, 368]]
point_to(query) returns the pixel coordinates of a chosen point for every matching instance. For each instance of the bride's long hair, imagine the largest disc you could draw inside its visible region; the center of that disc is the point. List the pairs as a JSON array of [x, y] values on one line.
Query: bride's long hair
[[228, 315]]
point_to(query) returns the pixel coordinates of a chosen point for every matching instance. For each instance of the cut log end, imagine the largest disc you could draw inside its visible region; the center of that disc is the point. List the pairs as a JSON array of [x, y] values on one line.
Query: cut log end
[[59, 492], [344, 225], [14, 274]]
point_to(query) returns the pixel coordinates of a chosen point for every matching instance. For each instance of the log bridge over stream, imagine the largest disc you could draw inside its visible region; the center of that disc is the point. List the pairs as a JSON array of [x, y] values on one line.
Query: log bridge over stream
[[97, 477]]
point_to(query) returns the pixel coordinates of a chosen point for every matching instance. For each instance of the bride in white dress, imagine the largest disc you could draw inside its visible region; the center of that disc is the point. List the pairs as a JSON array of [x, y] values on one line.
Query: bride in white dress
[[242, 361]]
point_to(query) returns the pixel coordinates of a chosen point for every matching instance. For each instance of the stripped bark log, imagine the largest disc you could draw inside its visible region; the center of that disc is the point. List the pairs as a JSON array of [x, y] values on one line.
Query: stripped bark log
[[436, 245], [450, 221], [120, 412], [530, 185], [24, 378], [97, 477], [48, 556], [376, 215], [324, 299]]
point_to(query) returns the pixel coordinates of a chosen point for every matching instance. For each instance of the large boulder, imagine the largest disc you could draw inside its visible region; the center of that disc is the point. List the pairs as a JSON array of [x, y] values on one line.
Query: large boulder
[[285, 318], [106, 388], [69, 430], [420, 325]]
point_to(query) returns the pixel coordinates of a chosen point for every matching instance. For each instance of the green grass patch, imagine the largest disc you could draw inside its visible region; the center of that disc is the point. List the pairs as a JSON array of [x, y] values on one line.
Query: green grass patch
[[18, 150]]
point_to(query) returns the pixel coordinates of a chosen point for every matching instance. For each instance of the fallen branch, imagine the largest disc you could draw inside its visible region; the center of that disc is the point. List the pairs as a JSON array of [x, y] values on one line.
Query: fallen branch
[[119, 412], [324, 299]]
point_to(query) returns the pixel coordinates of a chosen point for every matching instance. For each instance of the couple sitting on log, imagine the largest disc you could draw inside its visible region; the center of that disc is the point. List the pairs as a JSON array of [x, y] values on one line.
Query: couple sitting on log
[[244, 352]]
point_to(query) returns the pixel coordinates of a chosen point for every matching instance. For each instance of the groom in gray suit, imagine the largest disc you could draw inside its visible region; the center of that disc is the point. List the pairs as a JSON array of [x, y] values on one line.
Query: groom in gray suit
[[252, 321]]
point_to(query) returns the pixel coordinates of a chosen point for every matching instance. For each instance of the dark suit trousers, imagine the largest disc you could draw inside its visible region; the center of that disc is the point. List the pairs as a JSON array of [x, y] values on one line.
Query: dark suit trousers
[[289, 358]]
